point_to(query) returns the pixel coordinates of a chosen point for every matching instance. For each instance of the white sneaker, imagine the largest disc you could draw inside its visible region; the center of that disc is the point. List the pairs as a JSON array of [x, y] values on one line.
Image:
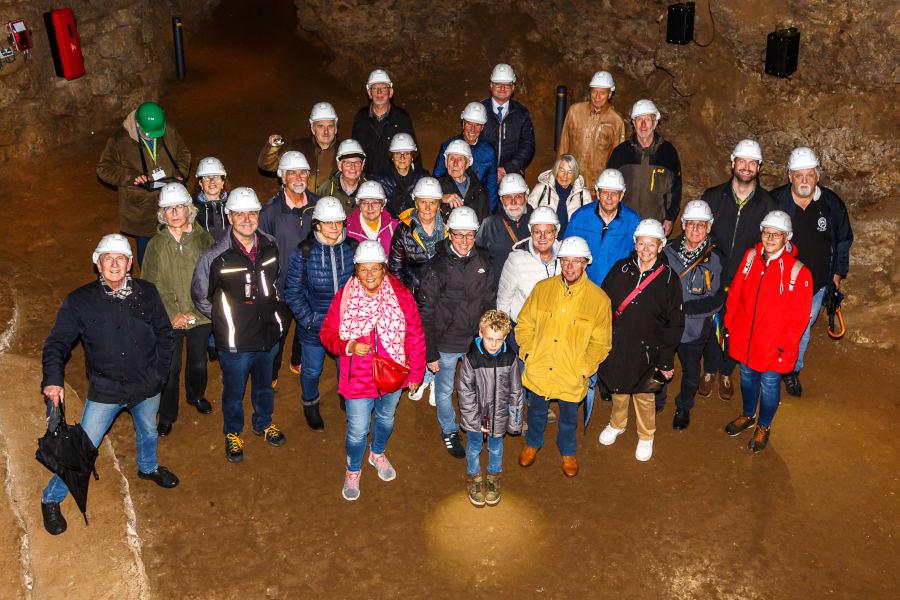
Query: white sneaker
[[417, 395], [609, 434], [431, 399], [644, 450]]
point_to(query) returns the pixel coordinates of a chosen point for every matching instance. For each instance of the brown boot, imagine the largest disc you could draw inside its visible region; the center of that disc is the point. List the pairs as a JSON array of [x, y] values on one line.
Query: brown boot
[[726, 388], [759, 440], [492, 493], [706, 384], [569, 466], [475, 488], [526, 459]]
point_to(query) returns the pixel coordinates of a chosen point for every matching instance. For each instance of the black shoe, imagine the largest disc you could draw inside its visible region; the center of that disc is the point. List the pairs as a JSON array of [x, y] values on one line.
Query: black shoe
[[759, 440], [162, 476], [272, 435], [234, 447], [202, 405], [453, 444], [313, 418], [212, 353], [54, 521], [659, 409], [164, 428], [792, 383], [682, 419]]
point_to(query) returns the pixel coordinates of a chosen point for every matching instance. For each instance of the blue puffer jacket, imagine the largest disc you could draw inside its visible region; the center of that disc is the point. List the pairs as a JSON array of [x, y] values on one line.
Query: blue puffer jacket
[[608, 248], [315, 274], [484, 164]]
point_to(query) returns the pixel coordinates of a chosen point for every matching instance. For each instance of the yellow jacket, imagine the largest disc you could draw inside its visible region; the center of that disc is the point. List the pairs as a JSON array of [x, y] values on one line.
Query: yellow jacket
[[564, 333]]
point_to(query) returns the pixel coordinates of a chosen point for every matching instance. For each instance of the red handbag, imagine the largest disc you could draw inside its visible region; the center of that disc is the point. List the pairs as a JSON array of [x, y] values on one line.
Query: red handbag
[[388, 374]]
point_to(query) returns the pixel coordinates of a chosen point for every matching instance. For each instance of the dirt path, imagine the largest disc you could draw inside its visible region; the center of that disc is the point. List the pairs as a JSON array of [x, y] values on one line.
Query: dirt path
[[812, 516]]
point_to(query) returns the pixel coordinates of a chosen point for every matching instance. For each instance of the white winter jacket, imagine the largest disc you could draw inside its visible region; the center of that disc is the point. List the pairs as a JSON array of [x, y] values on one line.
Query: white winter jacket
[[544, 193], [522, 271]]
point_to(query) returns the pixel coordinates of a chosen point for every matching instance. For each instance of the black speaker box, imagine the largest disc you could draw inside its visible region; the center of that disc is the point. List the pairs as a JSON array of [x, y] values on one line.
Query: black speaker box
[[782, 51], [680, 23]]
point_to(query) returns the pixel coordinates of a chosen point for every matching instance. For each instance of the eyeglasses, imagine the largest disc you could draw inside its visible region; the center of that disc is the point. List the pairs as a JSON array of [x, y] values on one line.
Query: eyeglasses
[[174, 209], [695, 225], [108, 260], [462, 236], [352, 162], [503, 85], [212, 179], [773, 235], [403, 154], [367, 270], [543, 234], [331, 223], [370, 203], [379, 89]]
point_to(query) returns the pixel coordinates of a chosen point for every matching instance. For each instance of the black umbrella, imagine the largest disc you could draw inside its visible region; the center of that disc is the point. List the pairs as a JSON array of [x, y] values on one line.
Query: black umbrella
[[832, 302], [68, 451]]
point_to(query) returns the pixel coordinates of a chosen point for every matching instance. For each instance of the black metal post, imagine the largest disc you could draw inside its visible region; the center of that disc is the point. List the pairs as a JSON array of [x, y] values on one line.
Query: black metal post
[[179, 46], [561, 100]]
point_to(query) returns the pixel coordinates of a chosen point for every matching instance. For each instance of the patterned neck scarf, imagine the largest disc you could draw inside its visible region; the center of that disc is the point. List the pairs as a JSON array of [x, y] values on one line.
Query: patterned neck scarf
[[121, 293], [363, 313], [435, 237], [689, 256]]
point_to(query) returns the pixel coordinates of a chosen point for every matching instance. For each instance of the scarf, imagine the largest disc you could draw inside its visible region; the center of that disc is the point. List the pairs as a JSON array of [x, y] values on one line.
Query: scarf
[[121, 293], [434, 238], [687, 257], [363, 313]]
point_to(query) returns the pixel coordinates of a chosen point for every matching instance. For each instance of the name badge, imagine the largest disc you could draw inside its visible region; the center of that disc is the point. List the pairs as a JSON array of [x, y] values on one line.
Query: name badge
[[157, 174]]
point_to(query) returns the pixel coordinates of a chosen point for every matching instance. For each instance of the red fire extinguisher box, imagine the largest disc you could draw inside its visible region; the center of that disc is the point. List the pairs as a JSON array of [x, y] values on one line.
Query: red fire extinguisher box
[[64, 43]]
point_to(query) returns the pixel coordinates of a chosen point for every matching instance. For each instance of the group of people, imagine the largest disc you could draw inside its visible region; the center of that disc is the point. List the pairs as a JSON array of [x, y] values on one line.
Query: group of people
[[465, 279]]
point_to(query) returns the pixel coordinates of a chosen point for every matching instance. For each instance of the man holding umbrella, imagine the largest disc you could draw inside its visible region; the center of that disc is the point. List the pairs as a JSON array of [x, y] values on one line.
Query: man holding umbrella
[[127, 339]]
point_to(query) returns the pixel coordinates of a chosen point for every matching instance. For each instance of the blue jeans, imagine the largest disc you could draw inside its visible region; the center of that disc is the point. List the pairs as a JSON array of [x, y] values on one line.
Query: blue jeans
[[359, 414], [443, 391], [313, 357], [474, 444], [236, 367], [814, 311], [96, 420], [537, 423], [763, 388]]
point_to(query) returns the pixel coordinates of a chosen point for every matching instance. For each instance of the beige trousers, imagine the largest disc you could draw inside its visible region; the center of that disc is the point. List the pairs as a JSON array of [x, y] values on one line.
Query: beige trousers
[[644, 410]]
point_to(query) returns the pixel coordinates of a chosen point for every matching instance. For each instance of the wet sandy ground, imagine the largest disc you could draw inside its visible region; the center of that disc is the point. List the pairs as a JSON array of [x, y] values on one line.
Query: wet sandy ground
[[812, 516]]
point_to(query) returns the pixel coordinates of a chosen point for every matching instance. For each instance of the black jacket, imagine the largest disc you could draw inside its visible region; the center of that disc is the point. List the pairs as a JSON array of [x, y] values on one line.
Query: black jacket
[[652, 177], [494, 237], [289, 226], [476, 196], [398, 189], [211, 215], [513, 139], [127, 343], [375, 136], [649, 329], [733, 231], [454, 293]]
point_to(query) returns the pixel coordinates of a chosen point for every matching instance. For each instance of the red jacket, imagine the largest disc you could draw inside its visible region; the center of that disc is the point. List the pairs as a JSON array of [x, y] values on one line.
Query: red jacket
[[356, 371], [764, 317], [388, 226]]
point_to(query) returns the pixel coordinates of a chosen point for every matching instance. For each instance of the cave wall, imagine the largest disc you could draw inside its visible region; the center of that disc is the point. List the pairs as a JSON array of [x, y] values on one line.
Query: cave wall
[[841, 101], [127, 48]]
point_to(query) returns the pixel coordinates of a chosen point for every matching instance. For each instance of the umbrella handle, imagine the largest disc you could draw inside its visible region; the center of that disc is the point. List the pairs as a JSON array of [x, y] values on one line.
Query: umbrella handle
[[836, 335]]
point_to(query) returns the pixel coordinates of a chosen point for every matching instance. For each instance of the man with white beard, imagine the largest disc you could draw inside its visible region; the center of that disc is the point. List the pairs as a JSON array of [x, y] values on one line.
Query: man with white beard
[[500, 232]]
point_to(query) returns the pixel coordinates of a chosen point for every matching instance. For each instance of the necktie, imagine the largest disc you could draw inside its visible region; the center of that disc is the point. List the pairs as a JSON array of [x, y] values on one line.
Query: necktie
[[500, 113]]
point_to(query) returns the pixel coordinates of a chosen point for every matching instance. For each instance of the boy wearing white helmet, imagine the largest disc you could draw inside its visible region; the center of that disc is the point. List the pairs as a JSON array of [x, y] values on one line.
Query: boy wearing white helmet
[[593, 128], [509, 128], [345, 181], [369, 220], [484, 155], [460, 184], [651, 168], [375, 124], [210, 196], [319, 147], [498, 233], [402, 175], [822, 235]]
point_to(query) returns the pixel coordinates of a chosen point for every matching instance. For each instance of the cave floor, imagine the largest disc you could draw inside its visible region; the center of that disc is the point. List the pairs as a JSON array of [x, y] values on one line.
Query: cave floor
[[814, 515]]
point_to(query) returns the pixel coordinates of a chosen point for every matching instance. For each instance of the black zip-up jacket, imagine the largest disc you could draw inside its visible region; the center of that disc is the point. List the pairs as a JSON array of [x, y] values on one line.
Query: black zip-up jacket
[[289, 226], [242, 298], [494, 237], [513, 139], [375, 136], [455, 292], [476, 196], [490, 386], [733, 231], [652, 177], [211, 215], [127, 343], [398, 189]]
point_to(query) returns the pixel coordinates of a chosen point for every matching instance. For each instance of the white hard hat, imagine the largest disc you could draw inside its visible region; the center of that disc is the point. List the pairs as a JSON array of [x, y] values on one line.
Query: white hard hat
[[113, 243], [210, 166], [428, 187], [328, 208], [322, 111], [474, 112], [403, 142], [503, 73], [463, 218], [460, 147], [650, 228], [370, 190], [543, 215], [378, 76], [349, 148], [802, 158], [242, 199], [645, 107], [747, 149], [292, 160], [603, 79], [174, 194], [513, 183], [611, 179], [697, 210], [778, 219], [575, 247], [369, 251]]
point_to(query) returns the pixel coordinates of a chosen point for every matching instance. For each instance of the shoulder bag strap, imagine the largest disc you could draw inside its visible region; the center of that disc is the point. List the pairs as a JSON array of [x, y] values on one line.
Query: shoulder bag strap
[[696, 262], [636, 291], [509, 230]]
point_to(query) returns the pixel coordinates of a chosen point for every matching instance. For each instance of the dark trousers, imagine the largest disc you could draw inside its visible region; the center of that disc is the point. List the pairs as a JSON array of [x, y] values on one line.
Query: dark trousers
[[141, 241], [296, 351], [237, 367], [689, 354], [194, 371]]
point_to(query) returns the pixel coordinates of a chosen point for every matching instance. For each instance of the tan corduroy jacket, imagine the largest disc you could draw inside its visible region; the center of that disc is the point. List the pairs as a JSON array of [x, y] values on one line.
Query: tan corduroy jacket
[[590, 137]]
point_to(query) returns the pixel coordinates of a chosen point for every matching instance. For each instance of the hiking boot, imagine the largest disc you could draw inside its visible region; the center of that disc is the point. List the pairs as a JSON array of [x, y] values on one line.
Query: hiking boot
[[350, 491], [386, 472], [492, 491], [234, 447], [453, 444], [644, 450], [272, 435], [792, 383], [313, 418], [706, 384], [569, 466], [551, 416], [726, 388], [759, 440], [739, 425], [295, 369], [526, 458], [202, 405], [609, 434], [54, 521], [475, 487], [682, 419]]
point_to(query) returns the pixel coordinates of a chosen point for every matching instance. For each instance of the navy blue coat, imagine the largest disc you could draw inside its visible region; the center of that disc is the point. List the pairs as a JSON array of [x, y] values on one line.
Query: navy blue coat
[[513, 139], [484, 157]]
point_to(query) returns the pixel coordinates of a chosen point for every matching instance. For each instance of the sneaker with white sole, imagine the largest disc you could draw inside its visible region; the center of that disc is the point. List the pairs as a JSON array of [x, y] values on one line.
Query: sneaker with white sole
[[644, 450], [432, 401], [385, 471], [351, 485], [417, 395], [609, 434]]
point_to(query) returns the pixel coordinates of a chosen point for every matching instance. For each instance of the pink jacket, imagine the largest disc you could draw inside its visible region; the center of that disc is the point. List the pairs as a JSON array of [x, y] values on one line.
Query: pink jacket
[[356, 371], [388, 225]]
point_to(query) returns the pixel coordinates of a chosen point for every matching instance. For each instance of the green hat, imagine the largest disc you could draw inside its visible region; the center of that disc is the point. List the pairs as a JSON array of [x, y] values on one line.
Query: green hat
[[151, 119]]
